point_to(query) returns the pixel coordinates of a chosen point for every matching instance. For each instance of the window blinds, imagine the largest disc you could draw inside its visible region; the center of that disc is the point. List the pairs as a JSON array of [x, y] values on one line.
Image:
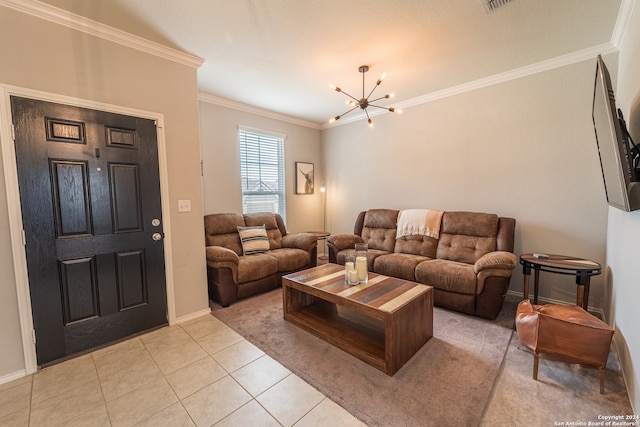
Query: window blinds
[[262, 172]]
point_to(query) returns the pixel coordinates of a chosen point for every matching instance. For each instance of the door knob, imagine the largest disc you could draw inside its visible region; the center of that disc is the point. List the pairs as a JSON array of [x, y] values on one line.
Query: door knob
[[156, 236]]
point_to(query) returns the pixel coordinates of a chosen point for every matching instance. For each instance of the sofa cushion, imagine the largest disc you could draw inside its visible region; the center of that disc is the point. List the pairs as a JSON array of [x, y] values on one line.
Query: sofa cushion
[[398, 265], [254, 240], [379, 230], [290, 259], [222, 230], [447, 275], [255, 267], [466, 236], [417, 245]]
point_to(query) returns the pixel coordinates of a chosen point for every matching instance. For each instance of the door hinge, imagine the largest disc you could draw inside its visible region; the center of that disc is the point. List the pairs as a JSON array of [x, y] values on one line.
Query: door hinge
[[13, 132], [33, 335], [201, 167], [24, 238]]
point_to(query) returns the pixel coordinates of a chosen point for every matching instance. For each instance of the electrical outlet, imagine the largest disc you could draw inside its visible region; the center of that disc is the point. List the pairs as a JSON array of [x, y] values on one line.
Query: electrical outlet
[[184, 205]]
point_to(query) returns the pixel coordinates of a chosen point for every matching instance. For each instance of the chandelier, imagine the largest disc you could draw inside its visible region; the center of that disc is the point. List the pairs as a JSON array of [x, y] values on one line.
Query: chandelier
[[363, 102]]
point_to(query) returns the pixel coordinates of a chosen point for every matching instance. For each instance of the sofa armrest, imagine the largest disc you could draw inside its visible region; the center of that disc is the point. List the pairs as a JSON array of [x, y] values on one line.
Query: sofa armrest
[[498, 260], [219, 257], [343, 241], [304, 241], [217, 254]]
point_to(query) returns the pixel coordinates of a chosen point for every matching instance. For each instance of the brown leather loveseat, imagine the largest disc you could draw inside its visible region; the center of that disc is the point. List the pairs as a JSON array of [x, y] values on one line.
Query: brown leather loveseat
[[232, 275], [469, 264]]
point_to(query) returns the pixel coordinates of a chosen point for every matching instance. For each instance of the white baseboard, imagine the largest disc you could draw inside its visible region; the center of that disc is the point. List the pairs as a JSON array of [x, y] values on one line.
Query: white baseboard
[[13, 376], [192, 316]]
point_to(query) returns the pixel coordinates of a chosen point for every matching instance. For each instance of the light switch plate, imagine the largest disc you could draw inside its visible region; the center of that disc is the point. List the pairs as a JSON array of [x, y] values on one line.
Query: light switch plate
[[184, 205]]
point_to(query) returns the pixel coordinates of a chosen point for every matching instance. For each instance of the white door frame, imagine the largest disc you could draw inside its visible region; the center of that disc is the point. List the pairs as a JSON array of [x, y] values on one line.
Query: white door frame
[[15, 211]]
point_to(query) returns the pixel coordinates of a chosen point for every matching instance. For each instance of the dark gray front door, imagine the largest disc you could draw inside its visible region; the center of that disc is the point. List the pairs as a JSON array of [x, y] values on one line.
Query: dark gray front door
[[91, 212]]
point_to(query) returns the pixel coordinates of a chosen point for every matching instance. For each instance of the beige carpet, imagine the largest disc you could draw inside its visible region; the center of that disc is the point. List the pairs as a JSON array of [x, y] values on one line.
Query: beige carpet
[[448, 382]]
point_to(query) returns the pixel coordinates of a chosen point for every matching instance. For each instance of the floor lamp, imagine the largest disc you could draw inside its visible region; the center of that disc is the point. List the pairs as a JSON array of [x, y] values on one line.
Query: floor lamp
[[323, 190]]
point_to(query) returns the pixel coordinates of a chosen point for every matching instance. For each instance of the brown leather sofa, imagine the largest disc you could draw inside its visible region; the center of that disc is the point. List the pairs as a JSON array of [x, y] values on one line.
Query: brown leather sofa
[[469, 265], [232, 275]]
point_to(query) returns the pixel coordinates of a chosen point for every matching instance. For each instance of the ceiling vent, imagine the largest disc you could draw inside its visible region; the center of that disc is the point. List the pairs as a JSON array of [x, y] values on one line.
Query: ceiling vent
[[491, 5]]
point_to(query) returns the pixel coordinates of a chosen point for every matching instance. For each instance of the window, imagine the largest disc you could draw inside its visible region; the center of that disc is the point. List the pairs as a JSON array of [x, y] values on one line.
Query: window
[[262, 171]]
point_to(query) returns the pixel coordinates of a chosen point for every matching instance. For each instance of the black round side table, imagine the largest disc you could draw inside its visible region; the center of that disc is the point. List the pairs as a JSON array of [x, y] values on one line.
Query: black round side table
[[583, 269]]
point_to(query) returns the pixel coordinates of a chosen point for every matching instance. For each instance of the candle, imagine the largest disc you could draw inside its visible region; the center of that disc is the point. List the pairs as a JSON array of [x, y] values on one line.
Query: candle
[[361, 268], [353, 277]]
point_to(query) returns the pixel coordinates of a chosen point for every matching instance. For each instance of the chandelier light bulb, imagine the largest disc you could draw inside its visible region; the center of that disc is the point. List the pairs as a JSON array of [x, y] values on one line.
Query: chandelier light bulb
[[370, 123]]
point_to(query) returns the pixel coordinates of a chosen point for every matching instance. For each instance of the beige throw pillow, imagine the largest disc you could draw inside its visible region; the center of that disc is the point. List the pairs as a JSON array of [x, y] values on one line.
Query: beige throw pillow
[[254, 239]]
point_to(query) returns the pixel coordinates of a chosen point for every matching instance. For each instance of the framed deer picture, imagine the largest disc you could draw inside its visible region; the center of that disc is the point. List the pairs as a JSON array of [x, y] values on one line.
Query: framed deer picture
[[304, 178]]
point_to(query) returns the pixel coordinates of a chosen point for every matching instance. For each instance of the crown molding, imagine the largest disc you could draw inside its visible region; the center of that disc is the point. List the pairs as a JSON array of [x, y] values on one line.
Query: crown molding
[[223, 102], [517, 73], [622, 23], [539, 67], [89, 26]]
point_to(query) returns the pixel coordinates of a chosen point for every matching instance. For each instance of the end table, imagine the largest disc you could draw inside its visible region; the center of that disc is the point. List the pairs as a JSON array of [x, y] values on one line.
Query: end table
[[583, 269]]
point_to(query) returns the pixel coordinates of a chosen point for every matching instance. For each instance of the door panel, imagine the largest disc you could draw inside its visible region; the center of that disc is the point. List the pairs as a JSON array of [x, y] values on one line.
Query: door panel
[[89, 189], [79, 289], [69, 182], [133, 291], [125, 197]]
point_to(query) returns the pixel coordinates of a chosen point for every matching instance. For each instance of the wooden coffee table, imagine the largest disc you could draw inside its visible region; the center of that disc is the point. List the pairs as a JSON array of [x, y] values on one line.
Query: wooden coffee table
[[383, 322]]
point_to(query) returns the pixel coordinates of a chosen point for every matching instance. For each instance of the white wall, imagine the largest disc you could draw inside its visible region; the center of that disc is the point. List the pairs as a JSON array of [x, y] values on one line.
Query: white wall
[[221, 163], [623, 237], [523, 149], [40, 55]]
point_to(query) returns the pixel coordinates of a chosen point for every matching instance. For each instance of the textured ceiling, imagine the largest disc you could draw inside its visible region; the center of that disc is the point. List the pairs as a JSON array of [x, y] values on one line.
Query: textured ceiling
[[281, 55]]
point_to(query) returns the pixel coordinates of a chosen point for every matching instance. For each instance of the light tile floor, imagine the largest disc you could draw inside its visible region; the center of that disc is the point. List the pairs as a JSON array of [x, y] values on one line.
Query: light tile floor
[[199, 373]]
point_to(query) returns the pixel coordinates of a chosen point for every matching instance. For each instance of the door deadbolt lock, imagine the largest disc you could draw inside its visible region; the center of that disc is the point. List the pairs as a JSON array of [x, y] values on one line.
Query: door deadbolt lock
[[155, 222], [156, 236]]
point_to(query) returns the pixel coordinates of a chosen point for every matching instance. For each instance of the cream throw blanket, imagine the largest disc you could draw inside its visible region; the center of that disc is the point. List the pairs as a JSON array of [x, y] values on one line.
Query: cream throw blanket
[[419, 222]]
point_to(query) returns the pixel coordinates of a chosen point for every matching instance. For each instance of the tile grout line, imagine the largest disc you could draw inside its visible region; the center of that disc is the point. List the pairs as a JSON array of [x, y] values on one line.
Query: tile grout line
[[104, 399], [255, 398], [164, 376]]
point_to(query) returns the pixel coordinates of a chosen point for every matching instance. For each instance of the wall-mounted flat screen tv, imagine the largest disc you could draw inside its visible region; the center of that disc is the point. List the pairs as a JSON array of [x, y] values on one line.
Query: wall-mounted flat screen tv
[[618, 159]]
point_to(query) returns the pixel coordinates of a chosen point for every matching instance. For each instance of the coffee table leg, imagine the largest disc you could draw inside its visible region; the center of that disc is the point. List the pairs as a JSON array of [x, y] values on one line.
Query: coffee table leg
[[293, 300], [400, 345]]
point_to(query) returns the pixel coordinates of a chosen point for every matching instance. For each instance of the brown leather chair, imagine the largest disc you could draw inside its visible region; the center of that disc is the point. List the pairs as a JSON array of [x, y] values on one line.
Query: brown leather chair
[[566, 333]]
